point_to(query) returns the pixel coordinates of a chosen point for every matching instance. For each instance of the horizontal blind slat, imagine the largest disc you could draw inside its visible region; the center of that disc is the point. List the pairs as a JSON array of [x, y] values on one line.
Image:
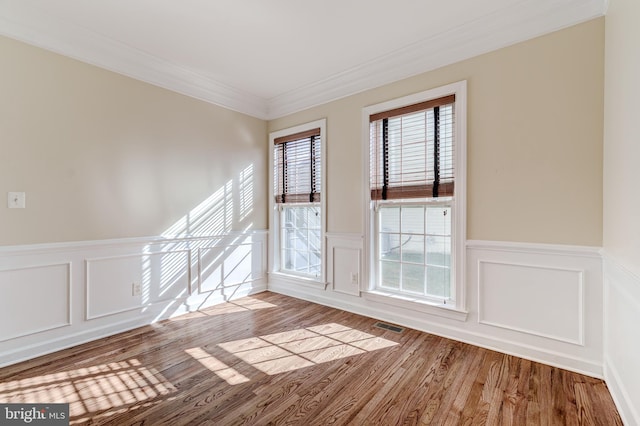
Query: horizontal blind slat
[[297, 172], [410, 151]]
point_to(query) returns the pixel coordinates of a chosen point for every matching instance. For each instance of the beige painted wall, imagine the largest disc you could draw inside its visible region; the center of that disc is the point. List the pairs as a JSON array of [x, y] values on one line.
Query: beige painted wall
[[103, 156], [622, 134], [534, 140], [621, 231]]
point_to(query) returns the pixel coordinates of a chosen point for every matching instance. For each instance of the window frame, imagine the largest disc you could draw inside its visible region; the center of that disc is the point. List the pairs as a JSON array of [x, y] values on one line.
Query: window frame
[[458, 203], [275, 212]]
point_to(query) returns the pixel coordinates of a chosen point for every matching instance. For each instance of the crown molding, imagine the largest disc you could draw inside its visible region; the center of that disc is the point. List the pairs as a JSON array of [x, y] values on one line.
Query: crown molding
[[87, 46], [520, 21]]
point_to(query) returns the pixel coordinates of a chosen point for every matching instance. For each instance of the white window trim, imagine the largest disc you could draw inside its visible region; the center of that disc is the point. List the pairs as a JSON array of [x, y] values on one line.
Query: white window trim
[[459, 205], [274, 214]]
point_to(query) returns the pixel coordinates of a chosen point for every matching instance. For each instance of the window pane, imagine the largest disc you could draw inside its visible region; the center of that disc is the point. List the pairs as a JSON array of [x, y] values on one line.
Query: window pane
[[288, 259], [390, 219], [314, 217], [301, 261], [413, 278], [314, 240], [314, 270], [390, 246], [390, 275], [438, 281], [288, 238], [301, 217], [413, 249], [413, 220], [439, 251], [301, 240], [439, 221]]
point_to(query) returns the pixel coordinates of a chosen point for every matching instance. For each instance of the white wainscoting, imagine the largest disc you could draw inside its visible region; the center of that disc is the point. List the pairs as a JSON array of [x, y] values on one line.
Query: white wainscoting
[[622, 338], [228, 271], [344, 260], [112, 281], [59, 295], [45, 289], [537, 301], [547, 299], [511, 295]]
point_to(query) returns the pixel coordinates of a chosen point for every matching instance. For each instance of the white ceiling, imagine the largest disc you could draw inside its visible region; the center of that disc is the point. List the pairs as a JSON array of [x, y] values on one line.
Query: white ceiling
[[269, 58]]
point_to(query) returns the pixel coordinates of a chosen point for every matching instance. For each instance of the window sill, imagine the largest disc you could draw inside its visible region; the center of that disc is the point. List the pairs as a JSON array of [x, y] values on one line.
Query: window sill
[[297, 280], [414, 304]]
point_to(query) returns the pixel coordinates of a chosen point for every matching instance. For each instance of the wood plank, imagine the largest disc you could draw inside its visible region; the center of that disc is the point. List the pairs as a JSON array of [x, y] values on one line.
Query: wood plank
[[272, 359]]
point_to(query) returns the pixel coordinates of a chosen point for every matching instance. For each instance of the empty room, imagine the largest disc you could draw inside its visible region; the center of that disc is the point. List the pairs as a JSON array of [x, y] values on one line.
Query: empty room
[[293, 212]]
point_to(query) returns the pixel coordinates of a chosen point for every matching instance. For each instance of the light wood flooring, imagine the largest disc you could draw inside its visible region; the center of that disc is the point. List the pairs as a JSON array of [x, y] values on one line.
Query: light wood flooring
[[271, 359]]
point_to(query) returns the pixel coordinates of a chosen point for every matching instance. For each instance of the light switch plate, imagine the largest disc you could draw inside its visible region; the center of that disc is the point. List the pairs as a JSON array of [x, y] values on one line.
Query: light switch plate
[[16, 200]]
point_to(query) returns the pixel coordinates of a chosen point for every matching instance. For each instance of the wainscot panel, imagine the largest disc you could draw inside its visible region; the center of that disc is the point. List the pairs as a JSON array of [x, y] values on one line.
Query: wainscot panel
[[123, 283], [537, 301], [344, 263], [41, 289], [511, 296], [59, 295]]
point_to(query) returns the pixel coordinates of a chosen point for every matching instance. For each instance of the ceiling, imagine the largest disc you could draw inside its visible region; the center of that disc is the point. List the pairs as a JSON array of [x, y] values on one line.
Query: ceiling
[[269, 58]]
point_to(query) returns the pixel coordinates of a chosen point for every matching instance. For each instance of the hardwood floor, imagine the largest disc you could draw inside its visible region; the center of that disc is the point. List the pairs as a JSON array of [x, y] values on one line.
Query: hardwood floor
[[271, 359]]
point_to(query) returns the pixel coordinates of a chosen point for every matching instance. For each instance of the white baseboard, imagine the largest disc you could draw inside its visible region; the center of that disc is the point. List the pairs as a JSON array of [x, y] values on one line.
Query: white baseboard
[[49, 346], [175, 276], [577, 347], [621, 347], [621, 397], [521, 269], [411, 319]]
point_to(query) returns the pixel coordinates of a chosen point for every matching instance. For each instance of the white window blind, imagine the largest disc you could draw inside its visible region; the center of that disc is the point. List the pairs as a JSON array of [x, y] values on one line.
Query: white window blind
[[412, 151], [298, 167]]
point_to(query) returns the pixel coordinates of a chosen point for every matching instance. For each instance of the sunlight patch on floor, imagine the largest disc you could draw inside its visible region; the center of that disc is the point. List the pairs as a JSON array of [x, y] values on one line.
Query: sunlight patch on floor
[[219, 368], [100, 387], [244, 304], [304, 347]]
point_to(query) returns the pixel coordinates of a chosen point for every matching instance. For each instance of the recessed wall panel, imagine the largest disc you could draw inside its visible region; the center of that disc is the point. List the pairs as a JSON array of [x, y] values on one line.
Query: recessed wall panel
[[34, 299], [531, 299], [119, 284], [110, 283], [229, 266], [346, 270], [169, 276]]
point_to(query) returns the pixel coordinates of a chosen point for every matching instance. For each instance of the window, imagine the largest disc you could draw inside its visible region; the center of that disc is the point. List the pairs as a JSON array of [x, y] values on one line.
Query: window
[[416, 195], [297, 201]]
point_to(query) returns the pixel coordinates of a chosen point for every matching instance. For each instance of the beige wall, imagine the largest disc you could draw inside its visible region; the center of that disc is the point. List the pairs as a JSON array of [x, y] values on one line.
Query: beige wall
[[103, 156], [621, 230], [622, 134], [534, 140]]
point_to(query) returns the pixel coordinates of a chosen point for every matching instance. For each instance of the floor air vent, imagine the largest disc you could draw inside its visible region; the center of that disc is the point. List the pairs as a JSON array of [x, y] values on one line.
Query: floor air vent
[[389, 327]]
